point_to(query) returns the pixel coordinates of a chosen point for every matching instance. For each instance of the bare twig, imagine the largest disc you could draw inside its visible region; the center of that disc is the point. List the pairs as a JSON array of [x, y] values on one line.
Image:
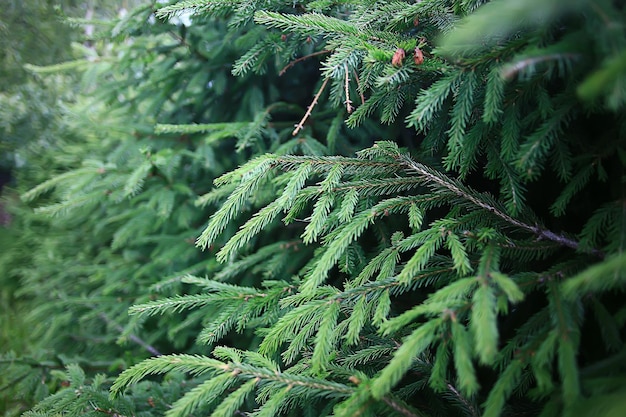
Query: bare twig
[[462, 399], [131, 336], [348, 102], [358, 86], [302, 58], [399, 407], [300, 125]]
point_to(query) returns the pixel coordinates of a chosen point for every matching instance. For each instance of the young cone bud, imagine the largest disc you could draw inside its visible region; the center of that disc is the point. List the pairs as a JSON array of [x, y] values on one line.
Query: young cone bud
[[398, 56], [418, 56]]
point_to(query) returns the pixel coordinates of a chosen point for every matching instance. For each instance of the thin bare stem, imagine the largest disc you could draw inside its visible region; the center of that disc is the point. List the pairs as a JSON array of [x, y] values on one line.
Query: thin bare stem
[[399, 407], [462, 399], [300, 125], [358, 86], [302, 58], [348, 102], [132, 337]]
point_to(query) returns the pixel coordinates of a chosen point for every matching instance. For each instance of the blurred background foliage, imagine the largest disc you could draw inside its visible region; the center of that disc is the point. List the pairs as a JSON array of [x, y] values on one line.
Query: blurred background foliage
[[109, 211]]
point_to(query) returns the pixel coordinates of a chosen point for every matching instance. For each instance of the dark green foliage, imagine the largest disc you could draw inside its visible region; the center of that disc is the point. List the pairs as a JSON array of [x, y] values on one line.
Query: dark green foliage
[[454, 249]]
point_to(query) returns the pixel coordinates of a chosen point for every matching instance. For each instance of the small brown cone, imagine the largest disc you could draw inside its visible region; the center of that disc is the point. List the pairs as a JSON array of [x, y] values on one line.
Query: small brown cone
[[398, 56], [418, 56]]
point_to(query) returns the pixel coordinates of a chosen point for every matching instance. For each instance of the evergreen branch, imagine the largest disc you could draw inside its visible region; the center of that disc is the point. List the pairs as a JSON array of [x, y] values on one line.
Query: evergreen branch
[[198, 127], [177, 303], [205, 393], [506, 383], [351, 166], [481, 201], [537, 145], [195, 6], [289, 379], [195, 364], [568, 331], [252, 175], [609, 274], [267, 214], [483, 323], [429, 102], [368, 355], [231, 404], [413, 346], [310, 23], [494, 94], [338, 241], [468, 405], [84, 172]]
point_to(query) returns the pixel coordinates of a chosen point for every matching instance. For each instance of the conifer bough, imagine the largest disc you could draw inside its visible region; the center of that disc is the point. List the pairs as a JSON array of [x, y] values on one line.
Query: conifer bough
[[450, 244]]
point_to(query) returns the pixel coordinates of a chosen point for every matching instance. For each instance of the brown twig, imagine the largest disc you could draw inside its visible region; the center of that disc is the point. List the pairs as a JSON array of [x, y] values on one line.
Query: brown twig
[[132, 337], [300, 125], [348, 102], [358, 86], [399, 407], [302, 58]]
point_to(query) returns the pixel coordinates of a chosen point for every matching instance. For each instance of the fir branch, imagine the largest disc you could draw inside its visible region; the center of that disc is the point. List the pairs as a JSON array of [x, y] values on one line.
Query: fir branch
[[195, 6], [481, 201], [413, 346], [467, 403], [568, 331], [601, 277], [310, 23], [204, 393], [233, 127], [195, 364]]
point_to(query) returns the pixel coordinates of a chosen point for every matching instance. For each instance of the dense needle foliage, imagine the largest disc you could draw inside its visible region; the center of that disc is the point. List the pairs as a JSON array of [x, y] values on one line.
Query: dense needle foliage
[[347, 208]]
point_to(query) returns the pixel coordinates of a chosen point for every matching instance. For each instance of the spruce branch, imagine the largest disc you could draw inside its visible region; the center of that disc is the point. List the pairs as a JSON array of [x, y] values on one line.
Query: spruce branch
[[481, 201], [309, 24]]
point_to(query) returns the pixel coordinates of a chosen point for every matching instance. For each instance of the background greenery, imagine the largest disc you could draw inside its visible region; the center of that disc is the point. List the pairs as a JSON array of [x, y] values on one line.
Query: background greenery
[[322, 208]]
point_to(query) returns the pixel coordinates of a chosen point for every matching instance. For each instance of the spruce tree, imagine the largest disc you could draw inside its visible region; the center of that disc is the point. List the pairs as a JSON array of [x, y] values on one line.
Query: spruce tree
[[431, 224]]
